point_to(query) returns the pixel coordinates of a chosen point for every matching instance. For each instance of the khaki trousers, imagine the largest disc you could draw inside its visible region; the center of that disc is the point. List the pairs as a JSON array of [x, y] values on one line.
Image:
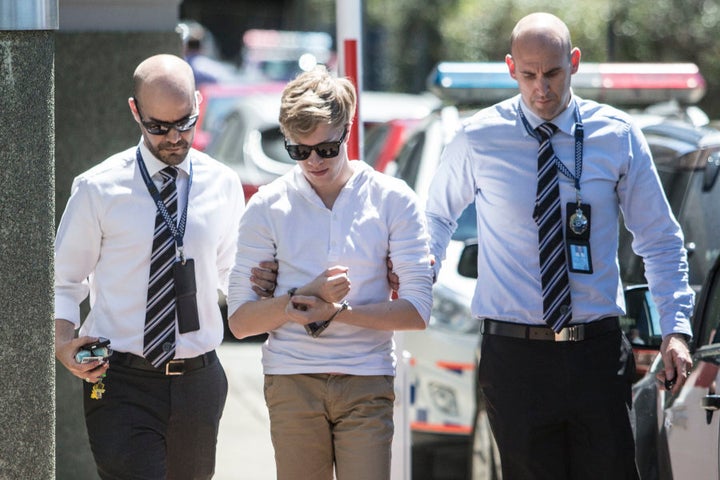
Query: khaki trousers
[[321, 421]]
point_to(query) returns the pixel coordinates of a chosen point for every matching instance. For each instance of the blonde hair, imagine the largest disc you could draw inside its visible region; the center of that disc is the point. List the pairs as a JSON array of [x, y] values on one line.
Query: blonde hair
[[314, 98]]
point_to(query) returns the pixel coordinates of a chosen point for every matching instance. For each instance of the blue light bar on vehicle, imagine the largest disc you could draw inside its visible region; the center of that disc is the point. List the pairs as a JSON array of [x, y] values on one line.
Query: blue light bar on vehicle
[[617, 83]]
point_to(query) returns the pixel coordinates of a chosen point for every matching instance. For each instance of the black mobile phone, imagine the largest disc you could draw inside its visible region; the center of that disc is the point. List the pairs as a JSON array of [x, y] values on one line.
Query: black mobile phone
[[101, 342], [95, 351]]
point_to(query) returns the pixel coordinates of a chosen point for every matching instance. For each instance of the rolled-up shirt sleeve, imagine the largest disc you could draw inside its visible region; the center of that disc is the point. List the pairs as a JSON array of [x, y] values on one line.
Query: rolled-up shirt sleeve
[[254, 245], [409, 253]]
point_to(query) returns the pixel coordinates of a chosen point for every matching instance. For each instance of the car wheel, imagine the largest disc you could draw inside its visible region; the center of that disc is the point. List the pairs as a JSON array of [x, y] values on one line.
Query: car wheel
[[484, 454]]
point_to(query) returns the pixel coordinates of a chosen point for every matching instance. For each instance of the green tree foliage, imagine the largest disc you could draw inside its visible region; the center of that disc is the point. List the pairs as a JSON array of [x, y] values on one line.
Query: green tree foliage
[[412, 36], [405, 39], [421, 34], [410, 39], [672, 31]]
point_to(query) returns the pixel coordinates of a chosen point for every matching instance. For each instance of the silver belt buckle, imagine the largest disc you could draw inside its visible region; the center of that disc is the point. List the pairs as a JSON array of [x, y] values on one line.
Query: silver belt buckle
[[569, 334], [175, 367]]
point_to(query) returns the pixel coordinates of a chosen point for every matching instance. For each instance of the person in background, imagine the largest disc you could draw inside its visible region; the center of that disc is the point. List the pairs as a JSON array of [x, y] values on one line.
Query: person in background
[[198, 53], [150, 235], [555, 369], [331, 224]]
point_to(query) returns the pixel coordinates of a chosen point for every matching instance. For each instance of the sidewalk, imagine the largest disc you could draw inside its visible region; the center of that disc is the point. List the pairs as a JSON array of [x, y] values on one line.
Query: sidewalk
[[244, 448]]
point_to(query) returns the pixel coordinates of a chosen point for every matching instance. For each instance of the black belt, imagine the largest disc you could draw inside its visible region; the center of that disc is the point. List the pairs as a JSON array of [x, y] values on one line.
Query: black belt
[[179, 366], [571, 333]]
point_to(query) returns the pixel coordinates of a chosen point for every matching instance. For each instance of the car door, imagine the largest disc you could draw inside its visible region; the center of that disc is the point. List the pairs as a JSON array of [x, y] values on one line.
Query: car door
[[691, 423]]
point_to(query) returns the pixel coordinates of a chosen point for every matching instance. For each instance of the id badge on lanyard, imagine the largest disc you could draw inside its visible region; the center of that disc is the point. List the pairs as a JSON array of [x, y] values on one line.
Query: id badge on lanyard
[[577, 224], [183, 268]]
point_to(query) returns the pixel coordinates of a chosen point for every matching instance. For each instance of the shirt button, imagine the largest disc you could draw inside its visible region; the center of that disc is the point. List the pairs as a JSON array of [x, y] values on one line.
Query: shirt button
[[564, 309], [167, 346]]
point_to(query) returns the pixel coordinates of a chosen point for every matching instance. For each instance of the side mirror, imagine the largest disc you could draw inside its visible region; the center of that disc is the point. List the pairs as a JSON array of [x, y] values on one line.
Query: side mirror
[[467, 265]]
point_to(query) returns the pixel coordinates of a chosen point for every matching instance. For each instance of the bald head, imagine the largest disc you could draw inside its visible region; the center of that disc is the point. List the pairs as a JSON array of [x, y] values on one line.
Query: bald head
[[542, 60], [541, 28], [166, 75]]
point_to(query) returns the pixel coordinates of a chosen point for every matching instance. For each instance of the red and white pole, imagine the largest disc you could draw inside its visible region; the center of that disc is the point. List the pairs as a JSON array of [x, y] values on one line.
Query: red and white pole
[[349, 49], [349, 46]]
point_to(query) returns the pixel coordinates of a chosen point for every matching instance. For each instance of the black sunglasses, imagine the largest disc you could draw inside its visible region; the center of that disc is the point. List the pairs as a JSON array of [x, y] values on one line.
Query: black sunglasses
[[156, 127], [301, 152]]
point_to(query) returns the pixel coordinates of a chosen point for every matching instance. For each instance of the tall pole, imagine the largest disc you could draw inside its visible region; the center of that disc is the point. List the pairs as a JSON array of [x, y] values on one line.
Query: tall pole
[[27, 136], [349, 47]]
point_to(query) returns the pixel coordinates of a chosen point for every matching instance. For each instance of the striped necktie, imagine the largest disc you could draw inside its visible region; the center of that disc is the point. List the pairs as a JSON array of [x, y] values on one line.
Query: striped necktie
[[557, 311], [159, 334]]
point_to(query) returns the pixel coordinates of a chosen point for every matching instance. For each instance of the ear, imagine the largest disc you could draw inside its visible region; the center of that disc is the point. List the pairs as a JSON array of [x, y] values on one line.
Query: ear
[[575, 60], [133, 109], [511, 65]]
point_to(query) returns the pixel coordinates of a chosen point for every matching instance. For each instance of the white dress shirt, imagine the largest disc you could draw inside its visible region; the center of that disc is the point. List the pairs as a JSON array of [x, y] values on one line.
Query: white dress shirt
[[104, 242], [373, 216], [492, 161]]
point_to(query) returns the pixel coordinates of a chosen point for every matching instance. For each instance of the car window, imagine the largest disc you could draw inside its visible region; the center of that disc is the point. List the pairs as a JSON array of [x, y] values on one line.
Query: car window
[[374, 142], [467, 224], [229, 143], [641, 322], [273, 145], [709, 331], [700, 222], [216, 111], [689, 182], [409, 158]]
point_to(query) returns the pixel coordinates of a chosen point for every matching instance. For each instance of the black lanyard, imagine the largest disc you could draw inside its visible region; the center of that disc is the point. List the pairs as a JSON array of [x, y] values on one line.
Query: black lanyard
[[178, 231], [579, 138]]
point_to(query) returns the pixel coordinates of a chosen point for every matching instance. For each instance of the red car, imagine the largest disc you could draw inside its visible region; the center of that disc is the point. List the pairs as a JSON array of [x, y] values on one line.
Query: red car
[[218, 100], [383, 142]]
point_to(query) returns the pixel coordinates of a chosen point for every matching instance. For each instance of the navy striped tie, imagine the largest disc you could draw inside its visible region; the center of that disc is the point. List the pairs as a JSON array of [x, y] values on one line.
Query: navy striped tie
[[557, 310], [159, 335]]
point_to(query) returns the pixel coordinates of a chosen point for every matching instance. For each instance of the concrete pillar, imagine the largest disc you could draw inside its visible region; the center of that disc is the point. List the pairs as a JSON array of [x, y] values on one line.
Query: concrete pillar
[[98, 46], [27, 415]]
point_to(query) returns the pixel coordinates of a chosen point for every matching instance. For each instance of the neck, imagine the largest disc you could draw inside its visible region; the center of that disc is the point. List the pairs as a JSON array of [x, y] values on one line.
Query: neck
[[329, 193]]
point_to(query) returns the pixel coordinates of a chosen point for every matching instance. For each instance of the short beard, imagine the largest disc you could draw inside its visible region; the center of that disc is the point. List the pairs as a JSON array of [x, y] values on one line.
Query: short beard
[[166, 157]]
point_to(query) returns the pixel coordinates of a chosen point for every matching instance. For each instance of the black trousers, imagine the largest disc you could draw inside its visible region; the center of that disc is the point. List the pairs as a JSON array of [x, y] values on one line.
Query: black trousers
[[149, 426], [560, 410]]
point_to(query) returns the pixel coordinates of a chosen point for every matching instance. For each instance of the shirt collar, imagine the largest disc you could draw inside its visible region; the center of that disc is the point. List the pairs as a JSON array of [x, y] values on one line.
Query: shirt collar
[[565, 121], [154, 165]]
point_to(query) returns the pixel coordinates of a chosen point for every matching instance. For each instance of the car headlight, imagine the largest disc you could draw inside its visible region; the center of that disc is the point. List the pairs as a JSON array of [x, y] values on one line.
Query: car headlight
[[451, 311], [444, 398]]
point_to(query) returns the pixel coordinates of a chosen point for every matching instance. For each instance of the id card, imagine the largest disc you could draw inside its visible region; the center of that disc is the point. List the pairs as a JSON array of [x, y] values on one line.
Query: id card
[[577, 238], [186, 296]]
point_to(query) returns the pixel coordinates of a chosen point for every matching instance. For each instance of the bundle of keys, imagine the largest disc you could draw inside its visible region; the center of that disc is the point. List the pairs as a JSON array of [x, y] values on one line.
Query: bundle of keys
[[97, 390]]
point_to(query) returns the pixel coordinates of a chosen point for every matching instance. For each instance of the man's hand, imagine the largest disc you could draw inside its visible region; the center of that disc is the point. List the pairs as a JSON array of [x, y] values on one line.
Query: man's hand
[[394, 280], [392, 277], [332, 285], [264, 278], [677, 361], [66, 347], [304, 309]]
